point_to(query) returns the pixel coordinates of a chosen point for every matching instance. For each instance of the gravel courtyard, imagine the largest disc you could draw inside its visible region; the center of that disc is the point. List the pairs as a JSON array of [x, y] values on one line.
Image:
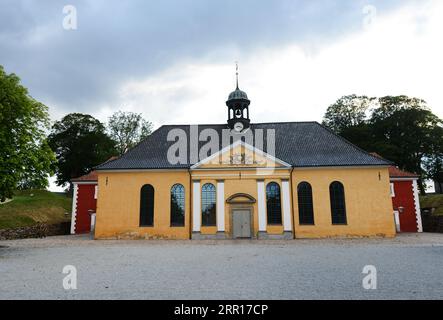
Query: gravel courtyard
[[408, 267]]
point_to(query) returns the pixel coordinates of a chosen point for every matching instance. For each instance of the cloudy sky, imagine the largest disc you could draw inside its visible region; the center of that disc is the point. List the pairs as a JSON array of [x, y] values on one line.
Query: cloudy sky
[[173, 61]]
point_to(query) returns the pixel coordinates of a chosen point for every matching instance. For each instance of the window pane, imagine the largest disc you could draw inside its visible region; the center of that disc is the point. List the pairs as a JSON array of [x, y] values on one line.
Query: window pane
[[273, 203], [177, 205], [209, 217], [338, 207], [305, 205], [147, 206]]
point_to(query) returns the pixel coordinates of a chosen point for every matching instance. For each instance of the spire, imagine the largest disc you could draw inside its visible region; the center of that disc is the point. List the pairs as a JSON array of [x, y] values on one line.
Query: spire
[[237, 93], [236, 72]]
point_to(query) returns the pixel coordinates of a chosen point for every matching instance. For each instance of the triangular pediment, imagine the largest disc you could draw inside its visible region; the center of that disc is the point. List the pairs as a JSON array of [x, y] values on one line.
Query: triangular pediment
[[240, 155]]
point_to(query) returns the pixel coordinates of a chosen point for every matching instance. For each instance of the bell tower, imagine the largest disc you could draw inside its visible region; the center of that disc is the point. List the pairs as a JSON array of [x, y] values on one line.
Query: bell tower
[[238, 108]]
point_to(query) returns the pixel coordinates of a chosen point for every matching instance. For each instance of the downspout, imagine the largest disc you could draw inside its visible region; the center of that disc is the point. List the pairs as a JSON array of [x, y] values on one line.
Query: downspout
[[292, 203]]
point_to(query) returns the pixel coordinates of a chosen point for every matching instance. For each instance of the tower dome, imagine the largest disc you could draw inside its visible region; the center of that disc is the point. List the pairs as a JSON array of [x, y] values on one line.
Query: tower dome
[[237, 94]]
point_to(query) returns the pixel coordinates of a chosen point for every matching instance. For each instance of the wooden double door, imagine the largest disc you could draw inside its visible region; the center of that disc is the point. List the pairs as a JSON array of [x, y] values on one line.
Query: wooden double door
[[241, 224]]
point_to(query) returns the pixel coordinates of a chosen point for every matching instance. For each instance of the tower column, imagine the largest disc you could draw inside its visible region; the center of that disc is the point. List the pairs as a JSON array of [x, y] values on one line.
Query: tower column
[[261, 202], [286, 199], [220, 208]]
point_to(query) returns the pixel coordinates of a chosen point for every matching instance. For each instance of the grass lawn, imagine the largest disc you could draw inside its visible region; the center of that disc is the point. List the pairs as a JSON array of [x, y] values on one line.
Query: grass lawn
[[433, 201], [42, 207]]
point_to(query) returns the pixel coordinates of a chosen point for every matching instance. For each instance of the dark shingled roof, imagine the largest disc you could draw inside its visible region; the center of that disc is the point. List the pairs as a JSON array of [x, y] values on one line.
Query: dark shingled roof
[[301, 144]]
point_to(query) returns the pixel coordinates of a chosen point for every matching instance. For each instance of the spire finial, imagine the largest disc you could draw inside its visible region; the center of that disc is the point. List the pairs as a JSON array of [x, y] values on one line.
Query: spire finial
[[236, 72]]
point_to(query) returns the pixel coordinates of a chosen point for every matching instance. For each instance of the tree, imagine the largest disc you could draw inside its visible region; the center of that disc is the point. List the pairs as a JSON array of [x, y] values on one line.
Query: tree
[[127, 129], [361, 135], [408, 133], [42, 160], [80, 143], [399, 128], [434, 168], [24, 152], [389, 105], [348, 111]]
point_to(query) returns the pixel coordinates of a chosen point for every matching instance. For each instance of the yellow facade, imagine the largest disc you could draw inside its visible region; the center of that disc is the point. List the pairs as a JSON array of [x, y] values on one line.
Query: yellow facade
[[118, 205], [367, 197]]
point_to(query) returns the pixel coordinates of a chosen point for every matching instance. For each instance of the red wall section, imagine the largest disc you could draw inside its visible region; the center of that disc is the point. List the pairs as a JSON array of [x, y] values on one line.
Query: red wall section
[[85, 202], [404, 197]]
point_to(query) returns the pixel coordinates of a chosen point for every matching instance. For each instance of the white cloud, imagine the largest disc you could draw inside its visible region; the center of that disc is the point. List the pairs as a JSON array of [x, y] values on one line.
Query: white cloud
[[400, 54]]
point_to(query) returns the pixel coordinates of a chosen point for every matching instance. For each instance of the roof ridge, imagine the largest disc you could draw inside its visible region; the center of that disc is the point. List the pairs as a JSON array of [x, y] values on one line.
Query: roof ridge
[[286, 122], [222, 124]]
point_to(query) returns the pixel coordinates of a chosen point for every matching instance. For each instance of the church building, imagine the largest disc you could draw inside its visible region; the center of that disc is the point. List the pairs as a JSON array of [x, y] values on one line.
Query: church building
[[244, 180]]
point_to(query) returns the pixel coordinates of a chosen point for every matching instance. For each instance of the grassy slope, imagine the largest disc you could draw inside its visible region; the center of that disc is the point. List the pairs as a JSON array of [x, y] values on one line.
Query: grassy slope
[[26, 210], [434, 201]]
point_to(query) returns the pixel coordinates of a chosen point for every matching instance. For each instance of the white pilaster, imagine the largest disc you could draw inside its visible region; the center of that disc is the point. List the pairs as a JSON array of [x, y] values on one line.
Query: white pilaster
[[93, 220], [286, 199], [417, 206], [261, 202], [74, 207], [397, 221], [196, 205], [220, 206]]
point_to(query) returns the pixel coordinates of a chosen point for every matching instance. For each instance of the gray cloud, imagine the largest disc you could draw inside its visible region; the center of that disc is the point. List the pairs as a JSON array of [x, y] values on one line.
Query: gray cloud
[[117, 41]]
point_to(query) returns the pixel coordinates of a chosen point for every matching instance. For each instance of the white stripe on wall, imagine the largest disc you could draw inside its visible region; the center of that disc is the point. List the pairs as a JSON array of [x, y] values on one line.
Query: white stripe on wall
[[74, 208], [287, 221], [261, 199], [220, 206], [417, 206], [196, 205]]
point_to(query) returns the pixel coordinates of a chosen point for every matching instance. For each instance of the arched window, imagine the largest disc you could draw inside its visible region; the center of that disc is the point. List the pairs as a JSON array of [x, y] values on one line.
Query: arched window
[[177, 205], [273, 203], [305, 205], [338, 206], [147, 206], [209, 217]]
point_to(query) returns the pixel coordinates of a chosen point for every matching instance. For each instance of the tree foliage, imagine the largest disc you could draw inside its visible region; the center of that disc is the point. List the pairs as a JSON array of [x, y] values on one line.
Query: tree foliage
[[80, 143], [348, 111], [25, 158], [127, 129], [407, 132], [400, 128]]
